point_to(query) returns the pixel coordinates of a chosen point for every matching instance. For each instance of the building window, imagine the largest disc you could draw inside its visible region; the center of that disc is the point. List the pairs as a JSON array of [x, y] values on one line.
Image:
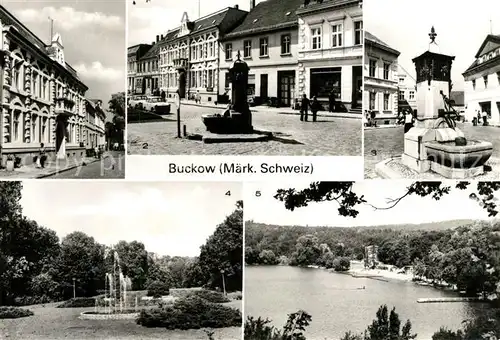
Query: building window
[[358, 33], [401, 95], [401, 80], [264, 44], [386, 71], [485, 78], [337, 35], [34, 121], [316, 38], [498, 77], [386, 101], [229, 51], [473, 84], [372, 100], [412, 95], [373, 68], [247, 49], [285, 44]]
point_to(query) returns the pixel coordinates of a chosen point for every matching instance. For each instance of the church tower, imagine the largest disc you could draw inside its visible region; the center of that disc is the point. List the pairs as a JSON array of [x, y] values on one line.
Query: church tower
[[56, 49]]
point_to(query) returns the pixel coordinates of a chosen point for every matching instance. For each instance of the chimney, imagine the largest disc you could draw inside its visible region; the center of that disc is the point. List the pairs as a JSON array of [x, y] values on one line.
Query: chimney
[[161, 37], [252, 4], [236, 6], [157, 38]]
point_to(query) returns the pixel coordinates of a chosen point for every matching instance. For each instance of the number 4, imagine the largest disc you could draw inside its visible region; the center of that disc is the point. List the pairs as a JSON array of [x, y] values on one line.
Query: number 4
[[228, 193]]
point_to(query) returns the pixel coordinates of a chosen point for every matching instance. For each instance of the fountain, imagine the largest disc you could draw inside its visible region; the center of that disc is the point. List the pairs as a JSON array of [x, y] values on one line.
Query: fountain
[[435, 144], [114, 304]]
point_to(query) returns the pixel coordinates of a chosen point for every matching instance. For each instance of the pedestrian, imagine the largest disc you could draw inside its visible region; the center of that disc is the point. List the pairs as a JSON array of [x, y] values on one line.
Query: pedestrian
[[304, 107], [408, 121], [198, 97], [331, 101], [42, 155], [163, 96], [373, 114], [485, 118], [315, 107]]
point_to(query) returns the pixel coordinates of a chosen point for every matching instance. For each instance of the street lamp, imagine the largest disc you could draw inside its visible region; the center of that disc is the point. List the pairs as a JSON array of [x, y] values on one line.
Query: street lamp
[[223, 281], [74, 288]]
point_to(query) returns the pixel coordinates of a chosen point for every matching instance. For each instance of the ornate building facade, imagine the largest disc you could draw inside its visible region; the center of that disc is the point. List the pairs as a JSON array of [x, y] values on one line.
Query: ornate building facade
[[95, 134], [482, 82], [381, 92], [330, 51], [42, 97], [193, 48], [267, 41]]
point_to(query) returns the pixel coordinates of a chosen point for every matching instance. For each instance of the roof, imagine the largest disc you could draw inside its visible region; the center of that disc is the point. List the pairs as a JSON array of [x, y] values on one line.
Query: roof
[[457, 97], [151, 53], [268, 15], [325, 5], [8, 19], [378, 42], [203, 23], [489, 38]]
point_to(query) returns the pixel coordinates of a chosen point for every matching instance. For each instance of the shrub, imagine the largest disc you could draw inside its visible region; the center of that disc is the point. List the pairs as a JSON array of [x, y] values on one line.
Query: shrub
[[158, 289], [32, 300], [78, 303], [14, 312], [190, 313], [235, 296], [211, 296]]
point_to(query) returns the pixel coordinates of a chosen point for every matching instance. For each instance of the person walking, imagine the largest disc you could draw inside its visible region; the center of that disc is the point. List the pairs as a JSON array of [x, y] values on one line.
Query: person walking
[[485, 118], [42, 155], [408, 121], [304, 107], [331, 101], [315, 107], [373, 114], [163, 96]]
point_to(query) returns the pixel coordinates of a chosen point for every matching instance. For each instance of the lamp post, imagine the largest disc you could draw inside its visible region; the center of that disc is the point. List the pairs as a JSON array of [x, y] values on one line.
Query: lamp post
[[223, 281], [74, 288]]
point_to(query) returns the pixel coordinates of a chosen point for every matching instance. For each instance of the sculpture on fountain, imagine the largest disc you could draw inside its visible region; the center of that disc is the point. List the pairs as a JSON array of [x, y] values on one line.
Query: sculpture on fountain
[[238, 118], [435, 143]]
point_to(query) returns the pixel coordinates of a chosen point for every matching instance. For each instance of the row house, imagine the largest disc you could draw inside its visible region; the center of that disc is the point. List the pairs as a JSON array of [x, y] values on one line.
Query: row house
[[330, 51], [95, 134], [193, 48], [134, 54], [147, 76], [381, 90], [482, 82], [43, 100], [267, 41], [407, 88]]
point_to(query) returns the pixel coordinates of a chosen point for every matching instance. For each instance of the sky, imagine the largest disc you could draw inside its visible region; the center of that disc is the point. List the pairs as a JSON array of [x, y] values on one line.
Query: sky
[[170, 218], [411, 210], [147, 20], [461, 28], [93, 35]]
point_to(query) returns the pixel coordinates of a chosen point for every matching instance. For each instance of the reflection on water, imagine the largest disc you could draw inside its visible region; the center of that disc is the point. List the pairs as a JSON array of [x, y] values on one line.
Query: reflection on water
[[338, 303]]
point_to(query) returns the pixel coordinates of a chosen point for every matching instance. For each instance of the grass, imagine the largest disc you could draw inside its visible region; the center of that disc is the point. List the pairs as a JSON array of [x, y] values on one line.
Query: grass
[[51, 323]]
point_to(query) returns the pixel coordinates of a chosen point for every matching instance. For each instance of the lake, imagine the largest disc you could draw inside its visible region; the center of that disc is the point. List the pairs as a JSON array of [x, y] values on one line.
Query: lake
[[337, 305]]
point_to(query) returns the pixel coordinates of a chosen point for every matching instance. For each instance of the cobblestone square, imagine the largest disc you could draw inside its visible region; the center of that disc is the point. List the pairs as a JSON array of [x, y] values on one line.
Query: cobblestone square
[[383, 143], [329, 136]]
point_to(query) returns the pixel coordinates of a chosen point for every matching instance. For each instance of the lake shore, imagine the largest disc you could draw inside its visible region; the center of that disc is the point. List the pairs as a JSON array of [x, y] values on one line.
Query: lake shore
[[358, 271]]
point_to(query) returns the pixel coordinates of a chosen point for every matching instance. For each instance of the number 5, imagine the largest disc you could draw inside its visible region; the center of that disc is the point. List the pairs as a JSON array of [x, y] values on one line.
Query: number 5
[[258, 194]]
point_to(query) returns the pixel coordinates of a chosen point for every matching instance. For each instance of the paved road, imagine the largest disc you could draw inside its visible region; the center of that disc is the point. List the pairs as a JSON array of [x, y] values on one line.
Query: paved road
[[329, 136], [112, 166], [384, 143]]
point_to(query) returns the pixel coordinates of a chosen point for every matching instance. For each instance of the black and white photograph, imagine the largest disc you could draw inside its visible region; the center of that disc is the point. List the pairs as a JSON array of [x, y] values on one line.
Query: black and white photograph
[[121, 260], [233, 77], [371, 261], [63, 89], [432, 90]]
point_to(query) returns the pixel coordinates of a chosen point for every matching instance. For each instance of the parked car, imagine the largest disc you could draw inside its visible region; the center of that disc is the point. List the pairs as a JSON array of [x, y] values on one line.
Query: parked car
[[137, 102], [156, 105]]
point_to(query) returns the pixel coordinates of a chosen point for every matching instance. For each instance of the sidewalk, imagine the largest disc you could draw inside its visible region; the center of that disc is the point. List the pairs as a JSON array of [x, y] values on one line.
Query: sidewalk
[[278, 110], [51, 168]]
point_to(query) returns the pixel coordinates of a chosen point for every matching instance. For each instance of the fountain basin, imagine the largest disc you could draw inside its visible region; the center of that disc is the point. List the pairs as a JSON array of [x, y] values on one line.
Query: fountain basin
[[226, 125], [472, 155], [132, 315]]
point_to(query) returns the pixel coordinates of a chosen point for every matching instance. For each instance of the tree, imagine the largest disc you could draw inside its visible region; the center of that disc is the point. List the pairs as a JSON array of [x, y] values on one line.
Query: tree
[[267, 257], [307, 251], [222, 255], [133, 259], [342, 193], [388, 327]]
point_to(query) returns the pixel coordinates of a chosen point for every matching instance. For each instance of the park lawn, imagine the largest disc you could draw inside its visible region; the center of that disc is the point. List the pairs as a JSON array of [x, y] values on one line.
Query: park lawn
[[51, 323]]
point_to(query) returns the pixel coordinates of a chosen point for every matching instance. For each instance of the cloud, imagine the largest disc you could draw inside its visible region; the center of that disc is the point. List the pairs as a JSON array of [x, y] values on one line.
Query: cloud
[[97, 71], [68, 18]]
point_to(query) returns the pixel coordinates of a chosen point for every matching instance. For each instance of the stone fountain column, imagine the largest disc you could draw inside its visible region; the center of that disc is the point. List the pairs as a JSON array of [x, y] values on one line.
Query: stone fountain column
[[239, 87], [433, 81]]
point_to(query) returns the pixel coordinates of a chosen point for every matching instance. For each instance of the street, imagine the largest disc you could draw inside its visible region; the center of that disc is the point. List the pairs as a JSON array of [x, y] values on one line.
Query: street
[[329, 136], [384, 143], [112, 166]]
